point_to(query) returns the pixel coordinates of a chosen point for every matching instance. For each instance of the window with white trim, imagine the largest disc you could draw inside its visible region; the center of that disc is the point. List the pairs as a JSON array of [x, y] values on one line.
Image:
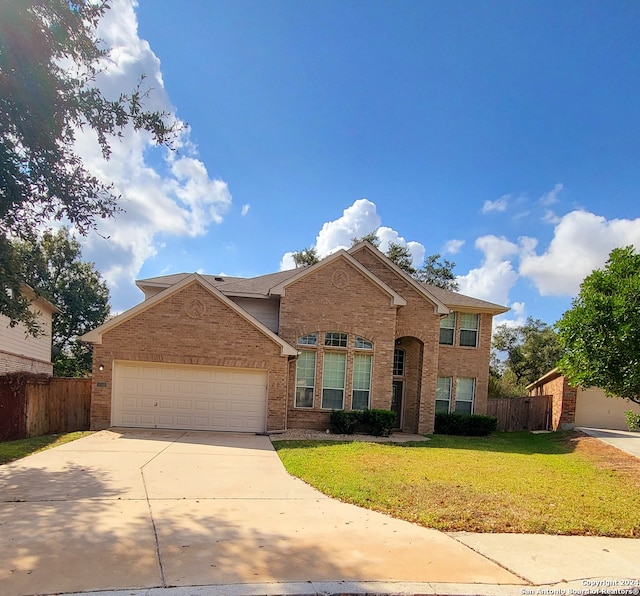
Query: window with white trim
[[305, 379], [447, 329], [443, 394], [334, 368], [311, 339], [465, 392], [469, 323], [361, 381], [398, 362], [363, 344], [334, 339]]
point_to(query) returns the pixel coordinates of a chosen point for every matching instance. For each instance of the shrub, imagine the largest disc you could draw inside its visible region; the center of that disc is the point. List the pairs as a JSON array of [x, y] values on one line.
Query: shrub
[[379, 423], [633, 420], [343, 422], [472, 425]]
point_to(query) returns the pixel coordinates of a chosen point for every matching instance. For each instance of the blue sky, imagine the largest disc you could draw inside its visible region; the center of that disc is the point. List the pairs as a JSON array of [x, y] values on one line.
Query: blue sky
[[504, 135]]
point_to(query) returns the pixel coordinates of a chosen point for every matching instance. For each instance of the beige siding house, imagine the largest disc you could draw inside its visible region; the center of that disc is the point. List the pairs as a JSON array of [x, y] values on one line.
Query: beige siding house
[[22, 352], [283, 350]]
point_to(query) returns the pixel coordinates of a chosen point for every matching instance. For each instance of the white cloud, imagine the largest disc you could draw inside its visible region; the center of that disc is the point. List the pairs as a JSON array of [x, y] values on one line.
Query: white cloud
[[497, 205], [453, 247], [245, 209], [495, 277], [359, 219], [162, 192], [551, 197], [581, 243], [550, 217]]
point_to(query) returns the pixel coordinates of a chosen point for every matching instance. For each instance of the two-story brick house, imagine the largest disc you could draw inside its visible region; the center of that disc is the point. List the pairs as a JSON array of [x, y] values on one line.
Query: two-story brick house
[[282, 350]]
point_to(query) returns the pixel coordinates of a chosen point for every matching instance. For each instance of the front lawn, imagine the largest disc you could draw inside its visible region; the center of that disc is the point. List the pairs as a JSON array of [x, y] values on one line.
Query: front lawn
[[11, 450], [558, 483]]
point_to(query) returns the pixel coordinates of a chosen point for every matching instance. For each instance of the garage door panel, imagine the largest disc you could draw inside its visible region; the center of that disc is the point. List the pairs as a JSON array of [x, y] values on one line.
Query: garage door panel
[[189, 397]]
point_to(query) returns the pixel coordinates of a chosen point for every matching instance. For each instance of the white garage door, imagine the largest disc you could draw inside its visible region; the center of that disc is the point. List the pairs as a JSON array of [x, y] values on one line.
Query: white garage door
[[150, 395], [595, 410]]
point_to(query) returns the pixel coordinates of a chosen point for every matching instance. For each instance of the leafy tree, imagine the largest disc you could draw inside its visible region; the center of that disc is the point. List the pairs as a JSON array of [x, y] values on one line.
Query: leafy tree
[[306, 257], [371, 238], [531, 351], [49, 58], [435, 272], [53, 265], [401, 256], [601, 332]]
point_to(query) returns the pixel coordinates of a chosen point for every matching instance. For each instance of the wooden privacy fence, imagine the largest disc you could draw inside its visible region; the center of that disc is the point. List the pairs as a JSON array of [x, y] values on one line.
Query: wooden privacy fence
[[521, 413], [34, 405]]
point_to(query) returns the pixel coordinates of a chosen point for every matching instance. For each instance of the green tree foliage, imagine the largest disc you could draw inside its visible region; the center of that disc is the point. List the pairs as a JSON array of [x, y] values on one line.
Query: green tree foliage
[[49, 58], [306, 257], [601, 332], [401, 256], [53, 266], [531, 350], [437, 272], [434, 272]]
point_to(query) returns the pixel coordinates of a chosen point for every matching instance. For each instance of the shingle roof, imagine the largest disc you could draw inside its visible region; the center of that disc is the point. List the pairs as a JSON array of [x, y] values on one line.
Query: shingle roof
[[454, 300], [261, 285]]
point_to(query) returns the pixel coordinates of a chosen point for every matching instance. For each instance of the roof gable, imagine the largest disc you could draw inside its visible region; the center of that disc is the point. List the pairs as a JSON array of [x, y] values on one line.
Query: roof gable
[[95, 336], [396, 299], [441, 307]]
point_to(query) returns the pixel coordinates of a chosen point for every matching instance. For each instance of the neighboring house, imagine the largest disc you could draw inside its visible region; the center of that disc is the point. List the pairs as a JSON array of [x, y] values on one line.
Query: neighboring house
[[573, 406], [282, 350], [22, 352]]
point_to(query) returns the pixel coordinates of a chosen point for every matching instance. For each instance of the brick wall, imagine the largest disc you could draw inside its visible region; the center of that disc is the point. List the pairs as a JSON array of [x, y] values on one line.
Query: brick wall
[[339, 297], [171, 332], [460, 361], [11, 363]]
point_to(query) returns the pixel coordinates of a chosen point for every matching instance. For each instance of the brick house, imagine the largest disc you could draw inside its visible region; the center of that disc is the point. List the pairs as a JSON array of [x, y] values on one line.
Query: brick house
[[282, 350], [581, 406]]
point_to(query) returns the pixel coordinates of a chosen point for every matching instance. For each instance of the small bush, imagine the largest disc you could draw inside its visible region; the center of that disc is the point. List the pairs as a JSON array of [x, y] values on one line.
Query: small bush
[[343, 422], [633, 420], [378, 423], [471, 425]]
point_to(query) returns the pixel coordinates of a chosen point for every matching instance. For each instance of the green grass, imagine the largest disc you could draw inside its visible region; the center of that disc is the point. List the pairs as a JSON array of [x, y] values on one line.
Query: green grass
[[560, 483], [12, 450]]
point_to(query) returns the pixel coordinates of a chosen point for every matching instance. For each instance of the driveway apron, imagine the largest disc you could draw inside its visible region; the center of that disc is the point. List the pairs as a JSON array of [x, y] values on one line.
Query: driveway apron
[[142, 509]]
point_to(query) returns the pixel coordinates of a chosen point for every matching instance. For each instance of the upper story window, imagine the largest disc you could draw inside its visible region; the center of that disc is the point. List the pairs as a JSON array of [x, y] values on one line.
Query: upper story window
[[469, 329], [311, 339], [398, 362], [447, 329], [363, 344], [335, 340]]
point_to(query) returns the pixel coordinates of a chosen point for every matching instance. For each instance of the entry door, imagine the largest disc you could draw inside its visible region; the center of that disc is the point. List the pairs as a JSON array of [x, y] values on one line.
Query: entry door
[[396, 402]]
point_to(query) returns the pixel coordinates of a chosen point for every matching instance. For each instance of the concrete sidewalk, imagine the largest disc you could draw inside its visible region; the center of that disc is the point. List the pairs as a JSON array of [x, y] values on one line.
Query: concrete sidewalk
[[214, 513]]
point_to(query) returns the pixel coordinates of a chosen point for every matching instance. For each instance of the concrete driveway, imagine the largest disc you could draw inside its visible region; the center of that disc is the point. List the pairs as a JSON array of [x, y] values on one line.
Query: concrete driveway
[[141, 509], [128, 509], [621, 439]]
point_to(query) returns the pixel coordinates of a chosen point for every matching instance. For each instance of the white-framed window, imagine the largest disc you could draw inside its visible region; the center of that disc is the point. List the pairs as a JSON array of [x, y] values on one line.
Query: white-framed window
[[443, 394], [447, 329], [465, 392], [361, 381], [334, 367], [363, 344], [334, 339], [469, 323], [311, 339], [398, 362], [305, 379]]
